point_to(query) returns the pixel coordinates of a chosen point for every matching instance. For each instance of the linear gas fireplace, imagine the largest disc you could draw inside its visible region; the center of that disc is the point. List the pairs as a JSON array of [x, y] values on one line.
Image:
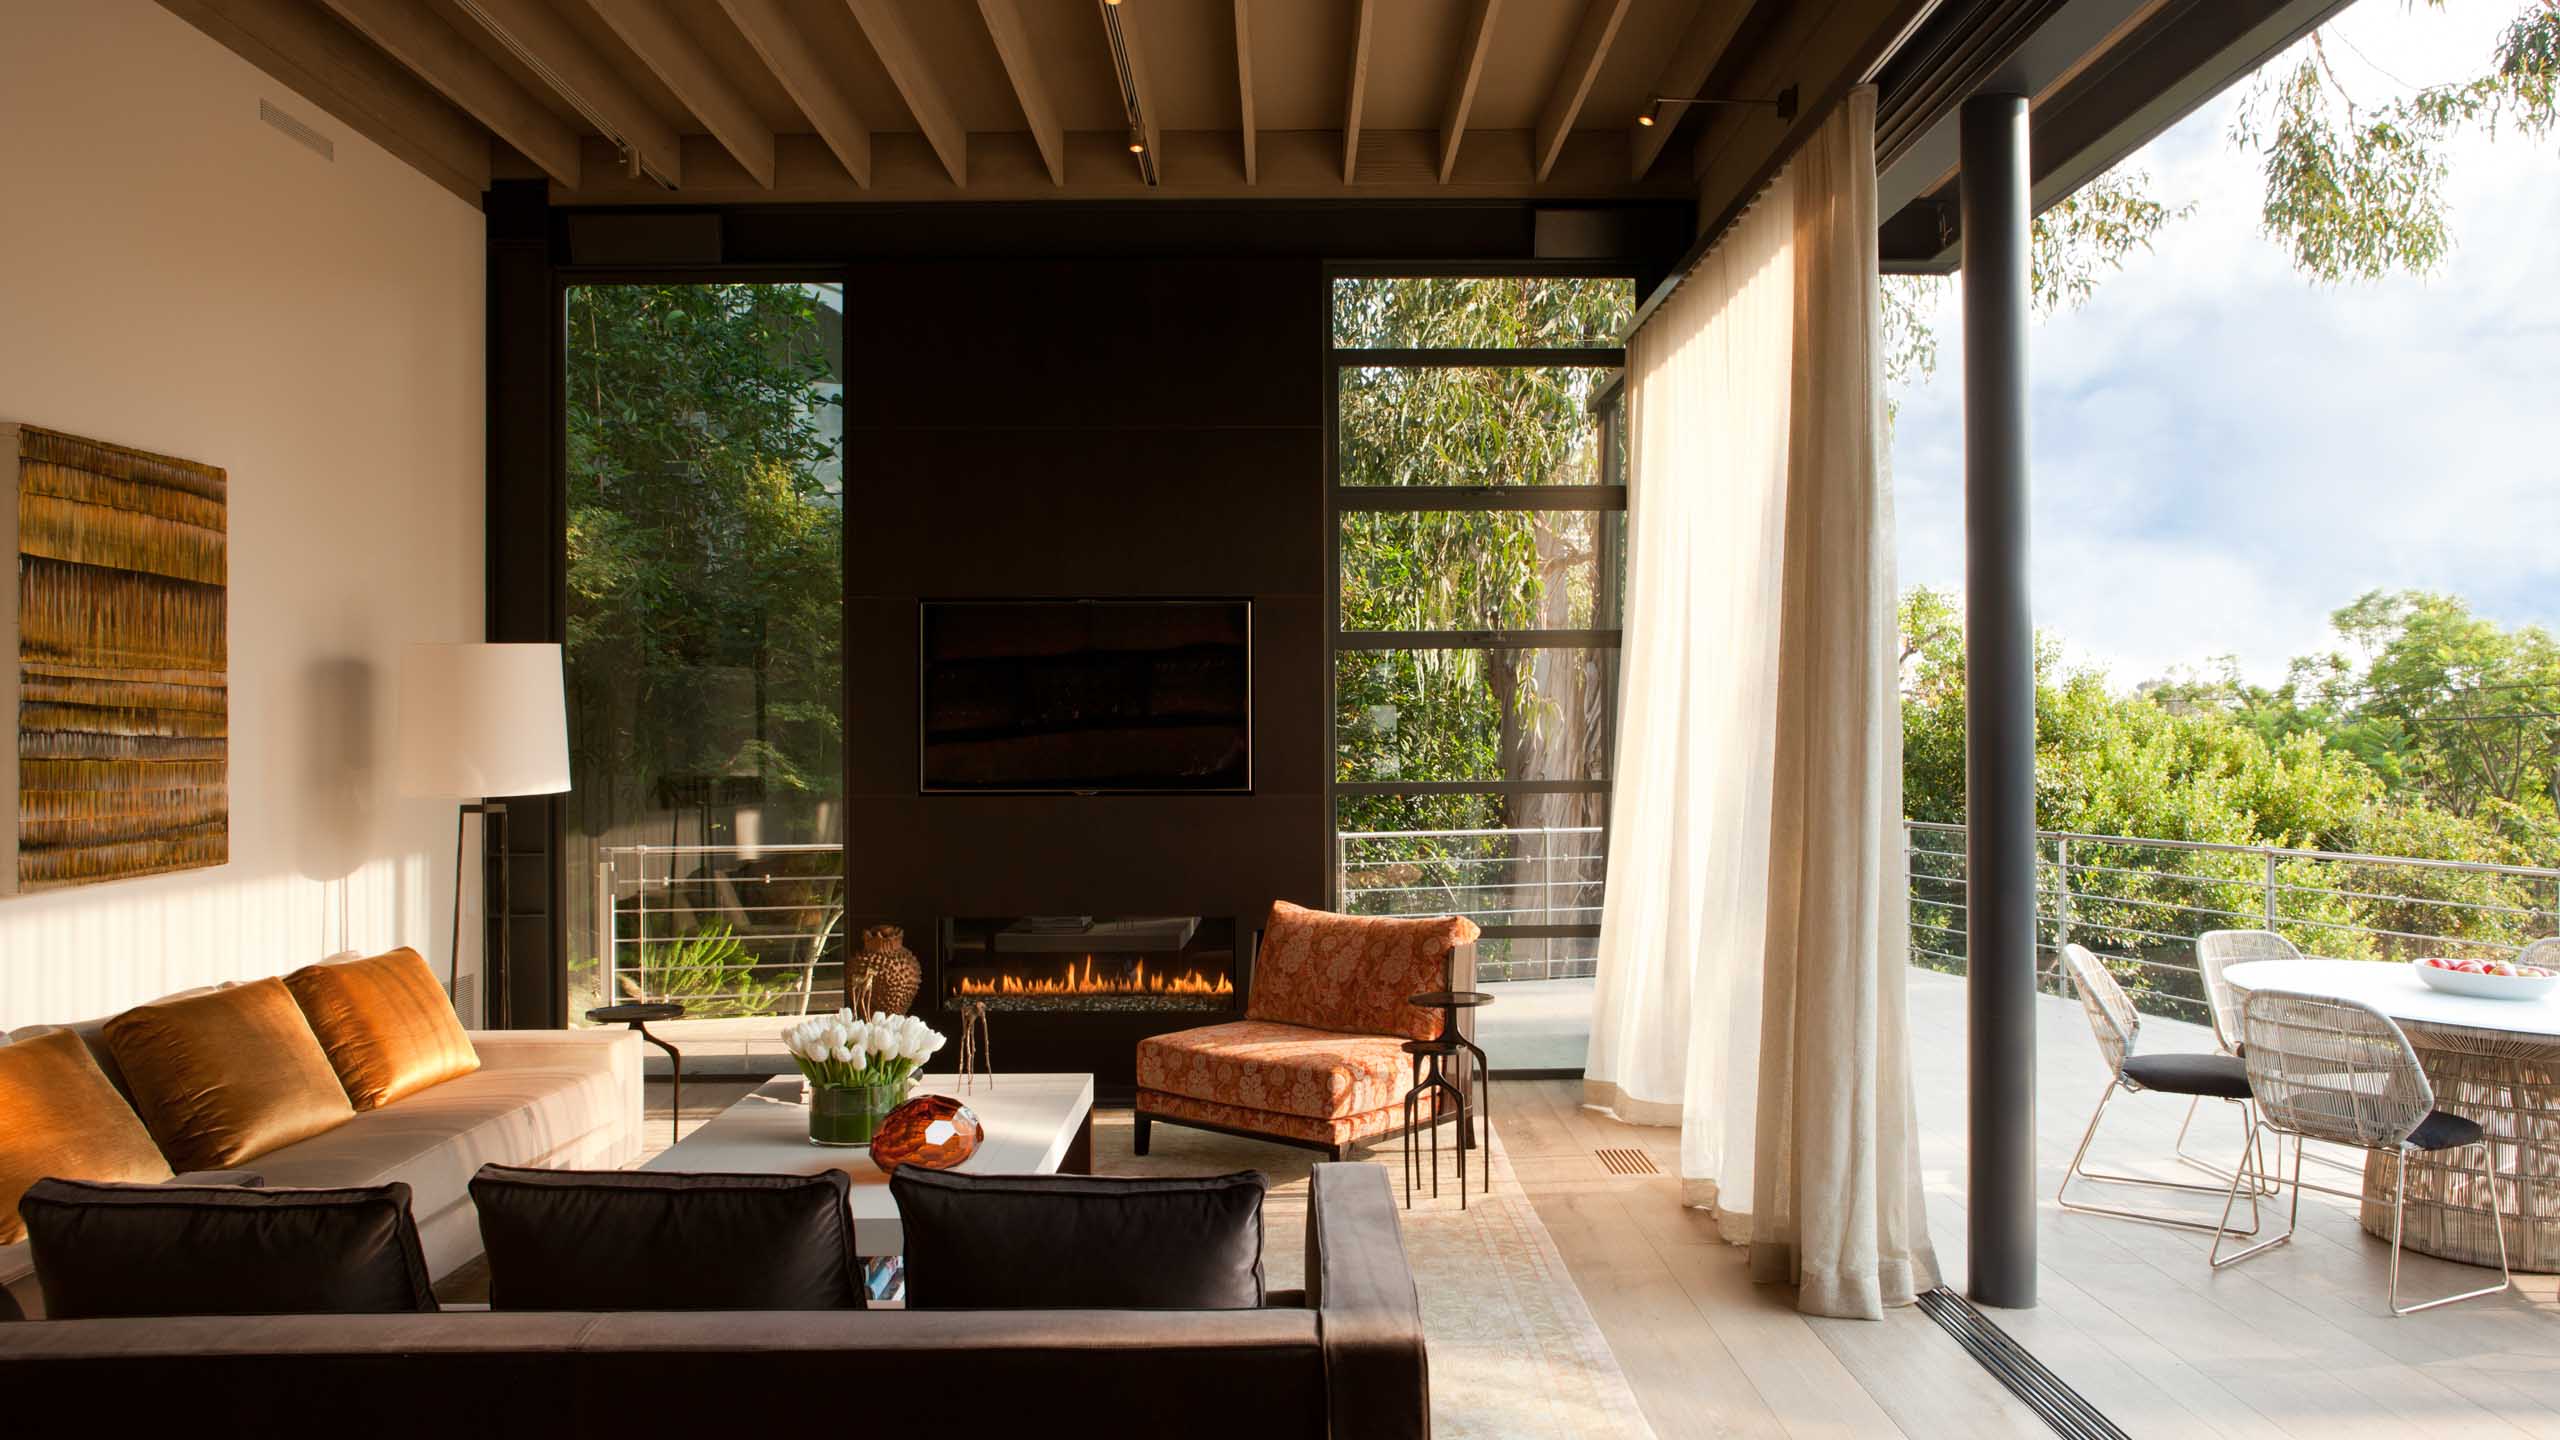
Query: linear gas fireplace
[[1065, 965]]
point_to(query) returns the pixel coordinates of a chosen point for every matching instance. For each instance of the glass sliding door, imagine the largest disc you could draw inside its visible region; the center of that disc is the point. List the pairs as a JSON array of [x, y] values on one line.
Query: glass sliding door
[[704, 645]]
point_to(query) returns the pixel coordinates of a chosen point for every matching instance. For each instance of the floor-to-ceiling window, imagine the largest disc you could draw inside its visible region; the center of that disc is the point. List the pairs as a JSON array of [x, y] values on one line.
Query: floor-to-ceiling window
[[704, 645], [1479, 513]]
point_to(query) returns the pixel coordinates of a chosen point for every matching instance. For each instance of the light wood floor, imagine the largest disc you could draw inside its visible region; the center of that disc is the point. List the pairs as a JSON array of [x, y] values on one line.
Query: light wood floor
[[2297, 1343]]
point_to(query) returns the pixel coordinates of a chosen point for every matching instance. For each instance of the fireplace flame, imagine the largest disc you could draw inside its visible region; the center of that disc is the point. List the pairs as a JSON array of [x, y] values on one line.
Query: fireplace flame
[[1085, 980]]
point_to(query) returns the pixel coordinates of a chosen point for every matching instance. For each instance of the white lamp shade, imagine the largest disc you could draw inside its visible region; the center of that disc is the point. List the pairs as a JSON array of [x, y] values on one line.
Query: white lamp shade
[[482, 720]]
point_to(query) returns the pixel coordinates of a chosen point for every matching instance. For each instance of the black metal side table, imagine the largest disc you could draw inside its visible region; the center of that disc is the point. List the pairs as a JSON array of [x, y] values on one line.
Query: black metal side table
[[638, 1016], [1431, 1059]]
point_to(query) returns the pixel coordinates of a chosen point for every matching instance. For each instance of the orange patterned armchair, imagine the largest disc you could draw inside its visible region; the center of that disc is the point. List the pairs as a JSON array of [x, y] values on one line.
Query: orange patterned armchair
[[1318, 1060]]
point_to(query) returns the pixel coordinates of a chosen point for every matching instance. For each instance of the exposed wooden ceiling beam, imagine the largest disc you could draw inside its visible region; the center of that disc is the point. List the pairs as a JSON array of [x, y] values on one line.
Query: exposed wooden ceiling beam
[[671, 55], [562, 59], [1244, 81], [1365, 12], [1295, 166], [334, 68], [903, 58], [1582, 61], [1022, 66], [468, 78], [811, 86], [1462, 86], [1709, 35]]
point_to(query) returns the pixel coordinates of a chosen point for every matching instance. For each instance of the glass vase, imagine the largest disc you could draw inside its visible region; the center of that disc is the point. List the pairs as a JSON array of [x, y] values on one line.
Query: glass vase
[[849, 1115]]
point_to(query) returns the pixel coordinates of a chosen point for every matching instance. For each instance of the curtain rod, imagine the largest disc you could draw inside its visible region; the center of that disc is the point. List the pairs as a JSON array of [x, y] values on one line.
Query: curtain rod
[[1799, 131]]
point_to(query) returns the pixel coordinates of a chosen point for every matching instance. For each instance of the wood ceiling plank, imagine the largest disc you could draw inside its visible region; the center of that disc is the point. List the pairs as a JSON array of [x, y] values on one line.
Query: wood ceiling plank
[[904, 61], [806, 79], [1244, 82], [1022, 66], [459, 72], [679, 63], [1582, 61], [334, 68], [564, 60], [1462, 86], [1709, 35], [1365, 13]]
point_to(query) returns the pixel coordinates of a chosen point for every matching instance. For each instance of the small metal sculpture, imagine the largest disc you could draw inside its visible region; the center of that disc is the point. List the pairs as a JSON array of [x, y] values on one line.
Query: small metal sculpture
[[975, 1054]]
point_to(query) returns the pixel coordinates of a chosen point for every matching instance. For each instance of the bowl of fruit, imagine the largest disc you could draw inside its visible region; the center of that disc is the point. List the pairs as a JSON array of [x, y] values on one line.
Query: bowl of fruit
[[2488, 979]]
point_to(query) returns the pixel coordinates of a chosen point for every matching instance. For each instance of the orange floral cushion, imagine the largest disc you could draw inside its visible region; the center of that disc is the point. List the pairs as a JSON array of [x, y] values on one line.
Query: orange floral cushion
[[1287, 1069], [1353, 972]]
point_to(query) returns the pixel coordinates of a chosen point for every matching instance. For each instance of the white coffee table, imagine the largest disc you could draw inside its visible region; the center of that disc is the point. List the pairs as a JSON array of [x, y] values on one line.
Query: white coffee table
[[1036, 1125]]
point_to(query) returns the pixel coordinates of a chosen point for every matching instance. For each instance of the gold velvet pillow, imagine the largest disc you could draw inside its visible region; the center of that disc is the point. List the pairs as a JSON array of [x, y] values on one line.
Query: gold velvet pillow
[[388, 1028], [227, 1077], [59, 1117]]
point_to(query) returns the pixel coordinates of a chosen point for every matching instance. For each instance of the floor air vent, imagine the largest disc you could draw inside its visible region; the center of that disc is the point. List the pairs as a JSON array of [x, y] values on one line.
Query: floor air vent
[[2062, 1408], [1627, 1162]]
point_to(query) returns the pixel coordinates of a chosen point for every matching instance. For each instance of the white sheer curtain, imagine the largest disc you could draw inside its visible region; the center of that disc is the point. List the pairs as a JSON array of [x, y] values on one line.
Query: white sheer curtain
[[1753, 945]]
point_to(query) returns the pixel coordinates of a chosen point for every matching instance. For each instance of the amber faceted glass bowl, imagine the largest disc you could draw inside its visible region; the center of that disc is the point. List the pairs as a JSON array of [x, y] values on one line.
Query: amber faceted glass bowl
[[934, 1131]]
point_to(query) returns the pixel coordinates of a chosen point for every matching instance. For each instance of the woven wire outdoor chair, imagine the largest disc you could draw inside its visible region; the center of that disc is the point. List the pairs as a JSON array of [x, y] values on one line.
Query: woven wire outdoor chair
[[2544, 952], [2216, 951], [2117, 1026], [2331, 1069]]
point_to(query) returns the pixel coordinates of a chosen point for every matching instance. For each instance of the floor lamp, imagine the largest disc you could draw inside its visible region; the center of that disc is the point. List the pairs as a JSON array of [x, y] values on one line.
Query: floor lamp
[[478, 721]]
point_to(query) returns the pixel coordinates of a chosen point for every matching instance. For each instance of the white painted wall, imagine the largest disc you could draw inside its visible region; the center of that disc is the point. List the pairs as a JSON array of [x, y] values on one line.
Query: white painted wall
[[177, 275]]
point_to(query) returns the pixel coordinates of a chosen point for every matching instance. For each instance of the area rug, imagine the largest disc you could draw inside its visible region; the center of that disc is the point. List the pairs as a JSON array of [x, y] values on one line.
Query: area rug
[[1514, 1350]]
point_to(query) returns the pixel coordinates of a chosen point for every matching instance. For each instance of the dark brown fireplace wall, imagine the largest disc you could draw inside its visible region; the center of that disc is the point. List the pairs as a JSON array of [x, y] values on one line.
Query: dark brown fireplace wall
[[1084, 428]]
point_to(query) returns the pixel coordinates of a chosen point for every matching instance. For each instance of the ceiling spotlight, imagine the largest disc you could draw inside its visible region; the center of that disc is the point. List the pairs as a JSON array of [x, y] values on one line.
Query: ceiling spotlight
[[1650, 115], [1137, 138]]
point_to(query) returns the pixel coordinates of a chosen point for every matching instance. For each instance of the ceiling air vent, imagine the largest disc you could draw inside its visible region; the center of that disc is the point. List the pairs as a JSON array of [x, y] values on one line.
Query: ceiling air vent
[[317, 143]]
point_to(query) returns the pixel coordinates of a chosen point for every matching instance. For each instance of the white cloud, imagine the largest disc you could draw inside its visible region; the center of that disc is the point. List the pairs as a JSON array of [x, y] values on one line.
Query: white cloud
[[2224, 453]]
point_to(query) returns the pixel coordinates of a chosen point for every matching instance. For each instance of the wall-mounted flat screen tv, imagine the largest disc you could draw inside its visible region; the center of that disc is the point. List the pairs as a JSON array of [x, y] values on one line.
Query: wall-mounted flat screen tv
[[1086, 696]]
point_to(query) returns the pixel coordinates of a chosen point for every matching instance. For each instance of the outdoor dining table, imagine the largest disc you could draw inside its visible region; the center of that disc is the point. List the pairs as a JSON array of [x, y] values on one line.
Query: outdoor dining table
[[2493, 1061]]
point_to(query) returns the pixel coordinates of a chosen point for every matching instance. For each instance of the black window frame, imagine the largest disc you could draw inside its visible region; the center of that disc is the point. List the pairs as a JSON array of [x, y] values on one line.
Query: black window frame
[[1341, 499]]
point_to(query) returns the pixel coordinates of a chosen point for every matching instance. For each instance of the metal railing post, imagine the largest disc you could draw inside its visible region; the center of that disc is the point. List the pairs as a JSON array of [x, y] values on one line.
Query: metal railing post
[[1547, 898], [611, 957], [640, 919], [2271, 887], [2061, 898]]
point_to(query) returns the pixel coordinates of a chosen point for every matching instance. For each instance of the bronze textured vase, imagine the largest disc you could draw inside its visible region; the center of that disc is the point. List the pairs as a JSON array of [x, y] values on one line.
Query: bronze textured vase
[[885, 976], [935, 1132]]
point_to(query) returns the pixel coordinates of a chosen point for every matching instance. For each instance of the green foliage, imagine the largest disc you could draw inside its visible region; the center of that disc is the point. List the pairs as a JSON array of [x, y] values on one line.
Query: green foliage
[[711, 972], [2352, 191], [2354, 754], [705, 544], [2356, 192], [2088, 235], [1466, 714]]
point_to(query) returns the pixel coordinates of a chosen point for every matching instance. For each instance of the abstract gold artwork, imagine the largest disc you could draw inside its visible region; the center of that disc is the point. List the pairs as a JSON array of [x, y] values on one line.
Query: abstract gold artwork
[[121, 676]]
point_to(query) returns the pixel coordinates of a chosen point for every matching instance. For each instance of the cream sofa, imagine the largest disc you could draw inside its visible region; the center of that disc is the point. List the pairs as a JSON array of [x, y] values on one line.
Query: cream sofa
[[567, 1098]]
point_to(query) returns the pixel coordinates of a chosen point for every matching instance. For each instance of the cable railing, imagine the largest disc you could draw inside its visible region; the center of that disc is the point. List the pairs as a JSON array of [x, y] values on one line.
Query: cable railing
[[760, 930], [730, 930], [725, 930], [1540, 884], [2140, 904]]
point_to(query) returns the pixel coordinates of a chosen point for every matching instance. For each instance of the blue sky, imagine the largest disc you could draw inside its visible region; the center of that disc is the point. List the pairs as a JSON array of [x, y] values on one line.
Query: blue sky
[[2225, 453]]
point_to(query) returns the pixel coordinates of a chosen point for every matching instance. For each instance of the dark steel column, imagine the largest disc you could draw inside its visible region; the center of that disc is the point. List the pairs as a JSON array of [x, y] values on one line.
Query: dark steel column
[[2000, 710]]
